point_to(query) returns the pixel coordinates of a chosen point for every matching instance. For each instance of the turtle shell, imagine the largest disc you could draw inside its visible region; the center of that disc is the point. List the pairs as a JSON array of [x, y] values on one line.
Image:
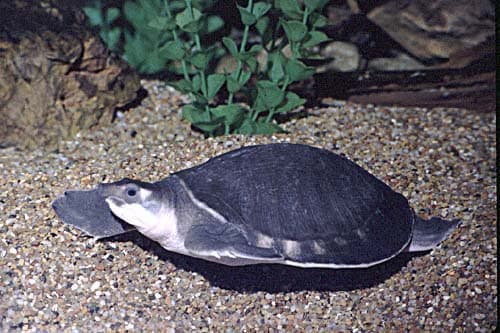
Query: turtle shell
[[316, 207]]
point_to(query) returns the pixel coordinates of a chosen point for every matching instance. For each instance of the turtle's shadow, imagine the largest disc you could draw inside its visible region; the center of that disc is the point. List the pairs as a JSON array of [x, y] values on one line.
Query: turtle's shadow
[[274, 278]]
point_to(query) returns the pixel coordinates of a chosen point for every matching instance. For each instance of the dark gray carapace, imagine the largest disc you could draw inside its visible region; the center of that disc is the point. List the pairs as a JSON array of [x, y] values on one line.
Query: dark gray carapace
[[277, 203]]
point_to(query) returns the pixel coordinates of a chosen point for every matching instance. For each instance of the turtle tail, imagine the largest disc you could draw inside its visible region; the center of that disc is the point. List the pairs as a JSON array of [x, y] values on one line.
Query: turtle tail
[[427, 234]]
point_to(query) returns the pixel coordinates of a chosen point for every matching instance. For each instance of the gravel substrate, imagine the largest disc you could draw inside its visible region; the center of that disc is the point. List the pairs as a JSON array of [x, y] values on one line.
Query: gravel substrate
[[54, 279]]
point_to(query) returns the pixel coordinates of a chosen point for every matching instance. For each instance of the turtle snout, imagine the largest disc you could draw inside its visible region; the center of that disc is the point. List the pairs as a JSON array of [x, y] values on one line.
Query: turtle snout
[[104, 189], [109, 190]]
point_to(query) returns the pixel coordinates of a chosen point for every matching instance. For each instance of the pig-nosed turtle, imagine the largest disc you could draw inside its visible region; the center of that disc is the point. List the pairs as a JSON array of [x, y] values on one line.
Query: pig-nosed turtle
[[278, 203]]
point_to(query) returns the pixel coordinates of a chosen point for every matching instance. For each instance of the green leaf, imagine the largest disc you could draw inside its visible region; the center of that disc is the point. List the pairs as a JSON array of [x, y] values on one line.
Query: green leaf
[[196, 83], [260, 8], [183, 86], [231, 113], [268, 128], [199, 98], [162, 23], [314, 38], [111, 37], [112, 14], [153, 62], [186, 17], [290, 8], [200, 60], [249, 127], [212, 23], [230, 45], [173, 50], [270, 94], [246, 17], [295, 30], [209, 126], [214, 83], [151, 7], [244, 77], [318, 20], [195, 114], [250, 54], [175, 6], [158, 23], [140, 12], [188, 22], [132, 50], [292, 101], [142, 55], [262, 25], [134, 14], [193, 27], [255, 49], [259, 105], [315, 5], [297, 71], [94, 15], [252, 64], [277, 72], [233, 85]]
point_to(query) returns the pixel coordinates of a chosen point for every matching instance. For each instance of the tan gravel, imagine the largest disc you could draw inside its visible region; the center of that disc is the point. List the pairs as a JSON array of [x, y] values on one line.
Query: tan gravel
[[54, 279]]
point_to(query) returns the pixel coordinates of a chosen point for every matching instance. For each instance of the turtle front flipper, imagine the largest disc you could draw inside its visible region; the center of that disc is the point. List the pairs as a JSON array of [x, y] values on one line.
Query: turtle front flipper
[[88, 212], [427, 234], [226, 244]]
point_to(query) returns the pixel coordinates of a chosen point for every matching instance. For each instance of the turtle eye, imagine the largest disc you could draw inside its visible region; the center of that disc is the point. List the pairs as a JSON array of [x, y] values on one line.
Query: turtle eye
[[131, 192]]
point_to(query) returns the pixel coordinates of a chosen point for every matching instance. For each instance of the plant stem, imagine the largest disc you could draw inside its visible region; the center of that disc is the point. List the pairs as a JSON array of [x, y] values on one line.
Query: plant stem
[[306, 15], [254, 115], [204, 84], [204, 90], [176, 38], [197, 41], [270, 115], [244, 39], [273, 110], [296, 46], [230, 99], [189, 5], [239, 67], [285, 84]]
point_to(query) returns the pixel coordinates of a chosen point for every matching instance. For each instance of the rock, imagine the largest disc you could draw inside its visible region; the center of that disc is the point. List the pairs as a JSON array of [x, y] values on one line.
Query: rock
[[400, 62], [57, 78], [226, 64], [432, 30], [345, 56]]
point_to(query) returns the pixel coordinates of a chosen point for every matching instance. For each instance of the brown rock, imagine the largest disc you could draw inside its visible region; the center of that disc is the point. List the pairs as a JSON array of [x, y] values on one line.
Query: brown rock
[[436, 29], [57, 78]]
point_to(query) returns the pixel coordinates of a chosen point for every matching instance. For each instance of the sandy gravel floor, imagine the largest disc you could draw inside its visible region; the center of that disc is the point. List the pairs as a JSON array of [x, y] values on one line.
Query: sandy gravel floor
[[54, 279]]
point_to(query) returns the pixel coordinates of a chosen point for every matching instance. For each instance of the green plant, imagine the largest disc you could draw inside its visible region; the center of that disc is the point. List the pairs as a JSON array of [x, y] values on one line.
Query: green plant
[[269, 93], [104, 18], [140, 42], [255, 92]]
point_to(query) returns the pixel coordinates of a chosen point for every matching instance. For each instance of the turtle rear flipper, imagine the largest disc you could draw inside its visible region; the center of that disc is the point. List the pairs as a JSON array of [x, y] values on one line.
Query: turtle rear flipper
[[427, 234]]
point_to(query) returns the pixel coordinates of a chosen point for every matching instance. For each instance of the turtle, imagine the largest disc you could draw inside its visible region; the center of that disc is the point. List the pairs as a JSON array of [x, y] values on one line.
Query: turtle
[[278, 203]]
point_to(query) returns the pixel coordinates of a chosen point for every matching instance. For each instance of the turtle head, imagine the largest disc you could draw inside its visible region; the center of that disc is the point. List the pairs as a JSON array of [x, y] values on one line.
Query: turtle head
[[144, 205]]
